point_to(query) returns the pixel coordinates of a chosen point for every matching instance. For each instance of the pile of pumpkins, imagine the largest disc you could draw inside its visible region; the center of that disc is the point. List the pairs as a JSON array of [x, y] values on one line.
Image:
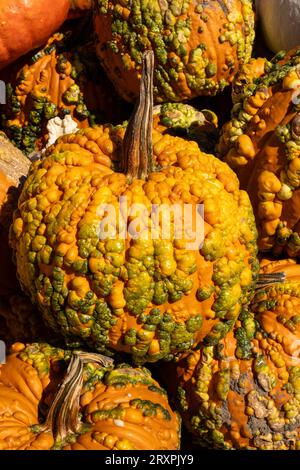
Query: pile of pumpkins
[[217, 324]]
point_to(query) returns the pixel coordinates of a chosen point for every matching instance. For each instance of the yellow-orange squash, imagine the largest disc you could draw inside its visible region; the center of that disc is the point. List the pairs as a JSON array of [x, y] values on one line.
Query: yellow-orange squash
[[91, 406], [22, 385], [262, 144], [277, 305], [228, 402], [27, 24], [244, 393], [198, 46], [151, 296], [56, 84]]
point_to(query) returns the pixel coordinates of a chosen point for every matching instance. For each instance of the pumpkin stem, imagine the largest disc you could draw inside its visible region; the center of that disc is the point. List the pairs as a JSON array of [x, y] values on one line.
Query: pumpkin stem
[[137, 159], [63, 417], [265, 280]]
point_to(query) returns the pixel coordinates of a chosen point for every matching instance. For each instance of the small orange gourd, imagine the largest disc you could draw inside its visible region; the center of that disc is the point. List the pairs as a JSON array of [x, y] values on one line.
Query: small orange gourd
[[55, 399], [27, 24]]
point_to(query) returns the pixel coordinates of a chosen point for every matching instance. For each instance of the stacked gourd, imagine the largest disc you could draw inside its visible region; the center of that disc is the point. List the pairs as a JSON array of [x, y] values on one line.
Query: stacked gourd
[[223, 327]]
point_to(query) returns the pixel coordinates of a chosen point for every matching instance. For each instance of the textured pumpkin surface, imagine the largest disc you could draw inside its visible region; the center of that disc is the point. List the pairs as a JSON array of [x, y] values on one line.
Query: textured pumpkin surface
[[262, 143], [198, 46], [27, 24], [147, 297], [188, 122], [127, 410], [243, 81], [57, 82], [244, 394], [121, 408], [277, 306], [23, 381]]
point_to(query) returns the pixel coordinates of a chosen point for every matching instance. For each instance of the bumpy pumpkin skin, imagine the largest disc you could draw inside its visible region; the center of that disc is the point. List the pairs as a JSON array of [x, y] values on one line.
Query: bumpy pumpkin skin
[[243, 81], [245, 393], [198, 46], [121, 409], [183, 120], [277, 306], [23, 380], [27, 24], [262, 144], [127, 410], [150, 298], [54, 82]]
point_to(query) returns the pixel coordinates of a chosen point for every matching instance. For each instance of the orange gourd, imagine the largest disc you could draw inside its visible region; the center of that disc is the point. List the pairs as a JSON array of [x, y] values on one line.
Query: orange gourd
[[277, 304], [198, 46], [244, 393], [57, 90], [27, 24], [262, 144], [152, 298], [53, 399]]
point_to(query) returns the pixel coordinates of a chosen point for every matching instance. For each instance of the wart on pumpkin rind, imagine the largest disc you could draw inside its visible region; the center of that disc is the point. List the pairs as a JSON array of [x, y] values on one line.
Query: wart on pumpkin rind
[[137, 27], [72, 308], [245, 113]]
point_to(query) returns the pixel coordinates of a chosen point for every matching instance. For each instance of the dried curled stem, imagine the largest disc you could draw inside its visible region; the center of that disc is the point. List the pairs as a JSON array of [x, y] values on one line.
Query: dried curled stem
[[63, 417], [265, 280]]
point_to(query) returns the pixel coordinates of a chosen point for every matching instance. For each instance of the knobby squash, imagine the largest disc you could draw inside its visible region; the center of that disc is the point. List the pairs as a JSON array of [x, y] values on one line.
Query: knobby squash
[[198, 46], [55, 399], [58, 90], [149, 296], [185, 121], [244, 392], [277, 304], [262, 143]]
